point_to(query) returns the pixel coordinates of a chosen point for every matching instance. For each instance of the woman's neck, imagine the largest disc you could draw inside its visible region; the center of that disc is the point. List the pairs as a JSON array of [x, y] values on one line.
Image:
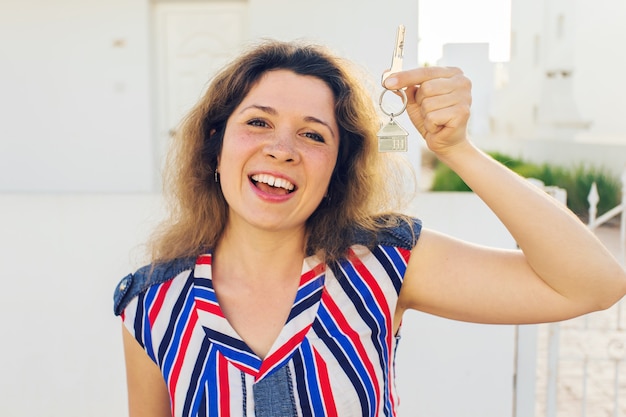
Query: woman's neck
[[255, 254]]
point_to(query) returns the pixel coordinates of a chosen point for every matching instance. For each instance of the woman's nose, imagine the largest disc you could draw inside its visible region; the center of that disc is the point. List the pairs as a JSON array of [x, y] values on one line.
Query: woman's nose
[[283, 147]]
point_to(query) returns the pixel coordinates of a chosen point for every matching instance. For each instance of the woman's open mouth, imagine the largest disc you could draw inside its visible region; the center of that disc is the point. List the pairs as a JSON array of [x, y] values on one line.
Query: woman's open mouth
[[272, 185]]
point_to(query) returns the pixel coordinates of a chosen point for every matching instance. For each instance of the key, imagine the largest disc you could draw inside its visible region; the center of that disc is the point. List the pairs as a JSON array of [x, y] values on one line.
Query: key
[[392, 137], [398, 55]]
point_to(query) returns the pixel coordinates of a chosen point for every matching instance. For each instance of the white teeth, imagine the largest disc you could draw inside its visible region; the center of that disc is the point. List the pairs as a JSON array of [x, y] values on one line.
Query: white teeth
[[273, 181]]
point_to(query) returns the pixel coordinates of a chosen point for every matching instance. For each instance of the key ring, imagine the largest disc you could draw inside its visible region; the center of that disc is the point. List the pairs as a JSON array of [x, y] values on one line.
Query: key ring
[[404, 103]]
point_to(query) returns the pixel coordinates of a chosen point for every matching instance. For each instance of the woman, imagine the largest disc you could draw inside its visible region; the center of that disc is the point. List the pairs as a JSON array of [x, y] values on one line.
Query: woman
[[279, 284]]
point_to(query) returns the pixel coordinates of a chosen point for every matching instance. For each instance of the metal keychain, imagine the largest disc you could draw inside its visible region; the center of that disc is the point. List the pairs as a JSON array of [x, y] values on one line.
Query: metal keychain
[[392, 137]]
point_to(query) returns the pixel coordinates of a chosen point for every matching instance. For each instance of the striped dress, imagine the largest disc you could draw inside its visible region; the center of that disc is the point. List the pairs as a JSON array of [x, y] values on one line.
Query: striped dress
[[333, 357]]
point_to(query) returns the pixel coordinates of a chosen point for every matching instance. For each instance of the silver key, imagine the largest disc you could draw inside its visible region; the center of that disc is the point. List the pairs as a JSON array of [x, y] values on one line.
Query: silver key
[[398, 55], [392, 137]]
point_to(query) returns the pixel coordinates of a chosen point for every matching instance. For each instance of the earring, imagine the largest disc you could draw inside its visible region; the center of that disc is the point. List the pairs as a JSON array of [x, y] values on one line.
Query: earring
[[216, 177]]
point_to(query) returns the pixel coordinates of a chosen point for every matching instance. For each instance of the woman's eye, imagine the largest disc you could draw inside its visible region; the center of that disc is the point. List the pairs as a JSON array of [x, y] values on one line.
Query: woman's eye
[[315, 136], [257, 122]]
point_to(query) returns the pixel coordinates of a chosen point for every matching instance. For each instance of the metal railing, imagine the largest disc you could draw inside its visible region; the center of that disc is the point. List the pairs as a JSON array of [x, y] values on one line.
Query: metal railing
[[581, 363], [594, 221]]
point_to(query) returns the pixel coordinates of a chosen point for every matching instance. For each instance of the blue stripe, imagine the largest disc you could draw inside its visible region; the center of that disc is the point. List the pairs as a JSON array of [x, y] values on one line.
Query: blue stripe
[[149, 298], [195, 391], [301, 384], [348, 358], [234, 349], [205, 294], [180, 319], [212, 383], [310, 287], [393, 263], [305, 303], [202, 410], [355, 288], [181, 302], [364, 301], [203, 289], [310, 373], [203, 282], [138, 323]]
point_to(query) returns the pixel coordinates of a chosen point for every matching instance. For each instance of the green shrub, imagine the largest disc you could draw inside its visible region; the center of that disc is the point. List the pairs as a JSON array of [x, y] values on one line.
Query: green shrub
[[581, 178], [576, 181], [444, 179]]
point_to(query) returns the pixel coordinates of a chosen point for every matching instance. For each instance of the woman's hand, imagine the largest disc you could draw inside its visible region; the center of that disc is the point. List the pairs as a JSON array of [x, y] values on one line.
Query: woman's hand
[[562, 270], [438, 104]]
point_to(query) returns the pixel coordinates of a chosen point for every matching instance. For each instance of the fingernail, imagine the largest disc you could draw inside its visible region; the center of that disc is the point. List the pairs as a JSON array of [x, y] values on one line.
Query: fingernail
[[391, 82]]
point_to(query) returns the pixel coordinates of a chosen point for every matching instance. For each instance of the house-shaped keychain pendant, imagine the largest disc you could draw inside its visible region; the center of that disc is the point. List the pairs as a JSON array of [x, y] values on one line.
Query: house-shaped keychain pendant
[[392, 138]]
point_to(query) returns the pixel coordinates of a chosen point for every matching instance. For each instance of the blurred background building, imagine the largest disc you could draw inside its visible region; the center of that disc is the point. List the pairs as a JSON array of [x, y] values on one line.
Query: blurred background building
[[559, 98]]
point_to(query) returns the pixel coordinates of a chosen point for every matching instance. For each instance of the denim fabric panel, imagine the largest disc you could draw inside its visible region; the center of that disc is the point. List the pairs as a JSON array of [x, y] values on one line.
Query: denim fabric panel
[[273, 395], [133, 284], [403, 236]]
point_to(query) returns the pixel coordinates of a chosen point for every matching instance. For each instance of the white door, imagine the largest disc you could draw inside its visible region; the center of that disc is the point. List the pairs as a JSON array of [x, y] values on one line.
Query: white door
[[193, 40]]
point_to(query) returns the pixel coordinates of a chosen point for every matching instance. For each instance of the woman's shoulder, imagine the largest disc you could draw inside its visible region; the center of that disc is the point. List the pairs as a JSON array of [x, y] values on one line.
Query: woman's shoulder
[[392, 230], [145, 277]]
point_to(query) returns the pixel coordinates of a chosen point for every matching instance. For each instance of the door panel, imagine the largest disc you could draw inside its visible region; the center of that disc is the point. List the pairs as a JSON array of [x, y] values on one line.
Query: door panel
[[192, 42]]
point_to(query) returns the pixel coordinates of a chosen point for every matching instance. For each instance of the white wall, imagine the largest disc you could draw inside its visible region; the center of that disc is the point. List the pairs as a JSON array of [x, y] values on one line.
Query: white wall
[[61, 257], [598, 42], [77, 80], [363, 31], [473, 59], [74, 97], [589, 45], [448, 368]]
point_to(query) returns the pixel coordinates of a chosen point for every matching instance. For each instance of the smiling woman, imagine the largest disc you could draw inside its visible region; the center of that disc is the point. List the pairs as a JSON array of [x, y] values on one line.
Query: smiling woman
[[243, 98], [282, 139], [278, 286]]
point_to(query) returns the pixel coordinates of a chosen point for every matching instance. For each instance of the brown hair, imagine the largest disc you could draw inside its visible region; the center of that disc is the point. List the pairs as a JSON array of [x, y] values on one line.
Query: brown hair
[[361, 184]]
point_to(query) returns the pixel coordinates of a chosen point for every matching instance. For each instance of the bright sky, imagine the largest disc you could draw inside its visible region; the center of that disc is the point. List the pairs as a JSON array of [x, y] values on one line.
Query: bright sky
[[464, 21]]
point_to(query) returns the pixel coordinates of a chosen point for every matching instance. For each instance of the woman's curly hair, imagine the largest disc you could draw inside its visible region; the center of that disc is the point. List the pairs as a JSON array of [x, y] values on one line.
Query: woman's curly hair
[[363, 185]]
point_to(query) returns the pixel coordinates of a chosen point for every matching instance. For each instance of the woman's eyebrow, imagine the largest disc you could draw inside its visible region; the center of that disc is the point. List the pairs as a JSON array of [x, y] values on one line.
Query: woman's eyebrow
[[266, 109], [316, 120]]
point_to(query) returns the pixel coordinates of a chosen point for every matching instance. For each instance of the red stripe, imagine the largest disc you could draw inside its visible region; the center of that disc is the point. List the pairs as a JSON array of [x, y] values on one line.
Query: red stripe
[[180, 355], [353, 335], [282, 352], [327, 391], [242, 367], [158, 302], [209, 307], [203, 260], [405, 253], [372, 284], [312, 274], [384, 308], [224, 382]]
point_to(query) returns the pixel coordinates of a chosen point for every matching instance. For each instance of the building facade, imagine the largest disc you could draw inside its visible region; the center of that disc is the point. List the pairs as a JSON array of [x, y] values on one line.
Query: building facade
[[560, 98]]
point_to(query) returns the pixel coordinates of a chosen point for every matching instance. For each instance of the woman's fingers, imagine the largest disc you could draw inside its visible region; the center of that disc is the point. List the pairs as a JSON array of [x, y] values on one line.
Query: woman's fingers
[[438, 103]]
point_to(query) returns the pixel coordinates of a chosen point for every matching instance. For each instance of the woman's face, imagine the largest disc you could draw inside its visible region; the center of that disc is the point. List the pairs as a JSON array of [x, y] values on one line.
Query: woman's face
[[279, 151]]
